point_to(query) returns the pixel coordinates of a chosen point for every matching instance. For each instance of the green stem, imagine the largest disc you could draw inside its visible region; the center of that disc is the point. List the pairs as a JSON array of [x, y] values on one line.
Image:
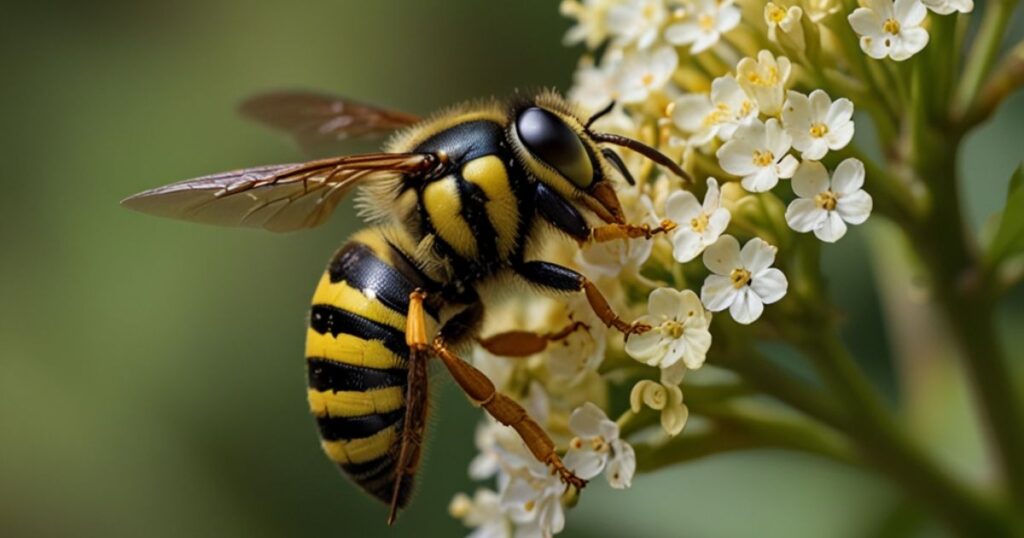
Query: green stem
[[983, 52], [735, 428], [884, 443], [964, 292], [760, 372]]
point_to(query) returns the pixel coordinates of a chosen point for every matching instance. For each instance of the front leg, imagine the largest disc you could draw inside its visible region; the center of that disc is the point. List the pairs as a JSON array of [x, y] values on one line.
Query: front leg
[[557, 278], [611, 232]]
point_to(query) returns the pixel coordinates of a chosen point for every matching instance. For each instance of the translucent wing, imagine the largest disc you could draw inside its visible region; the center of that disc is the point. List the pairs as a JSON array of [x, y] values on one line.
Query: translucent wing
[[279, 198], [317, 120]]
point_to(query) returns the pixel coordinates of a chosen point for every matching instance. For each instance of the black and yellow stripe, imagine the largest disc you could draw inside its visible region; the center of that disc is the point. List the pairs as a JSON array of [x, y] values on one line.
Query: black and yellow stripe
[[477, 212], [356, 359]]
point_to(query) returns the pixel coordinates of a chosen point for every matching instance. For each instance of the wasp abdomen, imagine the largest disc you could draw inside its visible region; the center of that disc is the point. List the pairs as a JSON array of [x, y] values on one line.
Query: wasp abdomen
[[356, 360]]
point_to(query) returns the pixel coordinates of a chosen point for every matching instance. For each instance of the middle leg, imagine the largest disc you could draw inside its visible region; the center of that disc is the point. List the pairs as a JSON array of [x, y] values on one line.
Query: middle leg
[[482, 392], [525, 343], [557, 278]]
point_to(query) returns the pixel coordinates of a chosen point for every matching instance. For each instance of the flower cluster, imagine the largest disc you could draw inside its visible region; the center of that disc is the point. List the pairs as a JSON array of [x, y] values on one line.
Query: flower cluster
[[756, 101]]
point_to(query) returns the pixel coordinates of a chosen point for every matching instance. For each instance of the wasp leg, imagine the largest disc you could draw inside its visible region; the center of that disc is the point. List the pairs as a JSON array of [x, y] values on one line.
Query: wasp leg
[[505, 410], [611, 232], [526, 343], [415, 421], [557, 278]]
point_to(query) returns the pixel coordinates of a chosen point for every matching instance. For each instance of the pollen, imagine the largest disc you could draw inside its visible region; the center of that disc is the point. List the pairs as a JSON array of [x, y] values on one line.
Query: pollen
[[647, 79], [826, 200], [673, 329], [819, 130], [740, 277], [706, 22], [891, 26], [529, 505], [763, 158], [776, 14], [699, 223]]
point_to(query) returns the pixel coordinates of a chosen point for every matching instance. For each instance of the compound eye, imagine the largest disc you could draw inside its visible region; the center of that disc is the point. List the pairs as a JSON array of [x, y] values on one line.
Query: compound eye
[[552, 141]]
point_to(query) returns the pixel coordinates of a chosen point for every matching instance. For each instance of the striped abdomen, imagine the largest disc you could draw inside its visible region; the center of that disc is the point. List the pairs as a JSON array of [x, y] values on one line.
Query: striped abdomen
[[357, 361]]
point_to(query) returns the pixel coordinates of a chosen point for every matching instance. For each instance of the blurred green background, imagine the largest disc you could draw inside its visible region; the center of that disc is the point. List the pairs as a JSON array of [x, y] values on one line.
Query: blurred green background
[[151, 372]]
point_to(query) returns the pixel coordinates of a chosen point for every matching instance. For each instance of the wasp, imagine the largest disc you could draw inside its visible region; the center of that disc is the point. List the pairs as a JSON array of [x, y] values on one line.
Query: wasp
[[456, 204]]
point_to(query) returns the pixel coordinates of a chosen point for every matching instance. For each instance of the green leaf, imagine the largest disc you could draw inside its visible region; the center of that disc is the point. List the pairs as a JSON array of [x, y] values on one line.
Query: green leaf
[[1009, 238]]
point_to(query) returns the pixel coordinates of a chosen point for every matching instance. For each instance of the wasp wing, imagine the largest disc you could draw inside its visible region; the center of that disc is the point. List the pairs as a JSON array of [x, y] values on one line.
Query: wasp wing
[[316, 120], [279, 198]]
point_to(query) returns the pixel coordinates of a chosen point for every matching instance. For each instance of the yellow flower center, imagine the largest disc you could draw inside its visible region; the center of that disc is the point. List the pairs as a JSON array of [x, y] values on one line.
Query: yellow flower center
[[747, 108], [826, 200], [576, 443], [763, 158], [706, 22], [529, 506], [718, 115], [674, 329], [740, 277], [699, 223], [647, 79], [891, 26], [771, 77], [776, 14], [819, 130], [598, 444]]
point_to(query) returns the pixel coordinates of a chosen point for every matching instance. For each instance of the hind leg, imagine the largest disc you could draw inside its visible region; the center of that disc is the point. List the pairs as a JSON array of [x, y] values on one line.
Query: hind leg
[[482, 391]]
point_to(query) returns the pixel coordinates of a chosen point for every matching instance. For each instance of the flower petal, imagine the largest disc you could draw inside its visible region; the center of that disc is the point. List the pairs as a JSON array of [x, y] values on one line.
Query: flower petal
[[664, 303], [757, 255], [585, 463], [585, 421], [622, 467], [718, 293], [855, 207], [770, 285], [810, 179], [803, 215], [723, 256], [686, 245], [647, 347], [832, 230], [848, 177], [673, 419], [682, 206], [747, 307]]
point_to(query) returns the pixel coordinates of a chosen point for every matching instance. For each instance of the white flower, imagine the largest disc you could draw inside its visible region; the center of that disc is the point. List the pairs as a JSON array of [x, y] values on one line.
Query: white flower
[[786, 20], [679, 330], [817, 10], [706, 21], [597, 448], [699, 225], [614, 259], [584, 349], [758, 152], [590, 15], [817, 124], [646, 71], [483, 512], [825, 206], [596, 86], [533, 500], [636, 21], [664, 396], [742, 281], [716, 115], [889, 28], [945, 7], [765, 80]]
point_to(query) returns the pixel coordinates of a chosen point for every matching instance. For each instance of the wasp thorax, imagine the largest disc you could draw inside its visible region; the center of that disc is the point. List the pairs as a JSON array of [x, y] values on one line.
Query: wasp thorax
[[549, 139]]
